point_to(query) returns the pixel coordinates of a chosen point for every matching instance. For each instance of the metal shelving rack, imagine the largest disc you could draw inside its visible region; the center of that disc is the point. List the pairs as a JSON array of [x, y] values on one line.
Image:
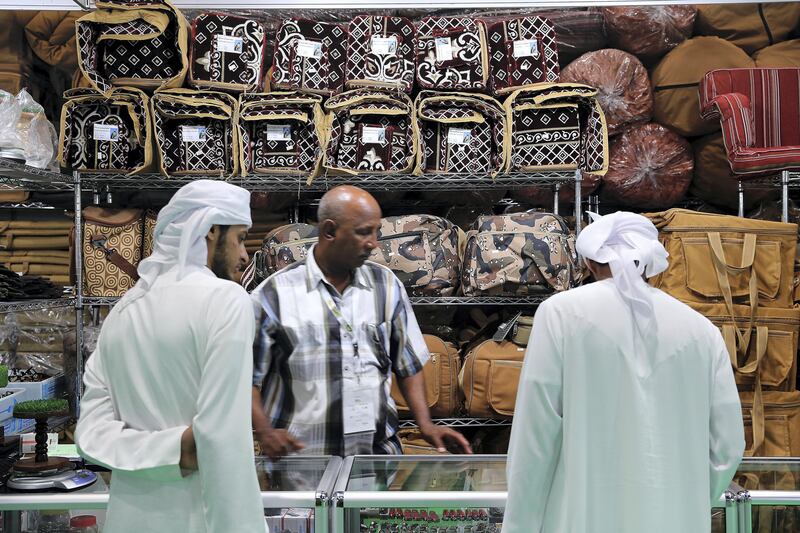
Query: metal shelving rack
[[785, 181], [15, 175], [461, 422]]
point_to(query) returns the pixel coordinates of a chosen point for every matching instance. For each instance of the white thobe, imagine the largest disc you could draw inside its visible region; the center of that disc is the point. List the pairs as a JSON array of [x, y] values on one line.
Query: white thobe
[[615, 434], [180, 355]]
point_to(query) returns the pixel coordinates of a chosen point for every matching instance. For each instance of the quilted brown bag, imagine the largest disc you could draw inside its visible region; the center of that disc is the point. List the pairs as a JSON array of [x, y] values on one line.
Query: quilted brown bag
[[113, 245], [441, 380]]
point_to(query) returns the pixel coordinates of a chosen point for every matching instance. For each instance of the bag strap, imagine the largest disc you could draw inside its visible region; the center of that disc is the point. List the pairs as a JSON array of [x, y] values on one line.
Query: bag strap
[[723, 269], [111, 255], [757, 415]]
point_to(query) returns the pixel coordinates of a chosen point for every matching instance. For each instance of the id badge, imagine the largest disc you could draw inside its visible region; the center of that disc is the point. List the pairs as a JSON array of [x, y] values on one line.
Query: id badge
[[358, 411]]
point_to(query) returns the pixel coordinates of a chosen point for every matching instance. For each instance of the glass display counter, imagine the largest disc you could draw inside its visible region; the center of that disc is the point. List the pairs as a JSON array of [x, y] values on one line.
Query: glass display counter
[[295, 490], [443, 494]]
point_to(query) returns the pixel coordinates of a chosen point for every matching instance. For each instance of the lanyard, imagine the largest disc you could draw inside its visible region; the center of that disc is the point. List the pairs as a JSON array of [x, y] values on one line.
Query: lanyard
[[326, 296]]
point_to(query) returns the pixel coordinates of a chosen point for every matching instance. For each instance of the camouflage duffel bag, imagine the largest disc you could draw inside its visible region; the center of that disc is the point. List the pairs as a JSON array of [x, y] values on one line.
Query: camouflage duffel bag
[[422, 251], [281, 247], [519, 254]]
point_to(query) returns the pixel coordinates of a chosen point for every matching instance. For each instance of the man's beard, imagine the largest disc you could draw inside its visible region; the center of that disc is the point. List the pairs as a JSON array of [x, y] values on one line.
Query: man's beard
[[218, 266]]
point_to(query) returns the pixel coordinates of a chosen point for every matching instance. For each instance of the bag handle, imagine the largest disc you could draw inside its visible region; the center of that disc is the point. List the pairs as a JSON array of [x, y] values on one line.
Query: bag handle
[[757, 415], [723, 269]]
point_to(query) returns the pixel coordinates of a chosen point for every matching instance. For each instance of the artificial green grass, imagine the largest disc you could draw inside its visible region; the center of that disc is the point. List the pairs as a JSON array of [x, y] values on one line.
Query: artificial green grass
[[41, 408], [3, 376]]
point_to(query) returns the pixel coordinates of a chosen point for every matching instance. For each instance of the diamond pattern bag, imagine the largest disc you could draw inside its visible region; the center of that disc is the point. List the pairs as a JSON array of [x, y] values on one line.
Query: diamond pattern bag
[[310, 57], [381, 53], [452, 54], [460, 133], [556, 127], [133, 43], [196, 132], [281, 133], [106, 133], [370, 132], [522, 52], [227, 52]]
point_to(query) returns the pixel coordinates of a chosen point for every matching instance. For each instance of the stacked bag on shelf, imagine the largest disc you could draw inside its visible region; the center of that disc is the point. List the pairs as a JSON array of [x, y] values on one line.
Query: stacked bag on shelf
[[740, 274], [364, 70], [520, 254], [114, 241]]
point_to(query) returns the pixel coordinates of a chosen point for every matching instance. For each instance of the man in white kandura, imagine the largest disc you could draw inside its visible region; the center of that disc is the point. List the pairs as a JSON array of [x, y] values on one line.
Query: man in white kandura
[[627, 417], [167, 400]]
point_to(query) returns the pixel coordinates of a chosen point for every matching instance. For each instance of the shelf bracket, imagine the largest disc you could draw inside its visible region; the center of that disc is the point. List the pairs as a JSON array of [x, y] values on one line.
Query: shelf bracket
[[83, 4]]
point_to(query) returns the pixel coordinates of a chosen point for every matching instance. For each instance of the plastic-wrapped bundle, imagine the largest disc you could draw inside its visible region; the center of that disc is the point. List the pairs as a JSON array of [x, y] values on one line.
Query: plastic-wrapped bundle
[[452, 54], [545, 196], [751, 26], [651, 168], [381, 53], [676, 78], [649, 32], [712, 180], [25, 132], [623, 86]]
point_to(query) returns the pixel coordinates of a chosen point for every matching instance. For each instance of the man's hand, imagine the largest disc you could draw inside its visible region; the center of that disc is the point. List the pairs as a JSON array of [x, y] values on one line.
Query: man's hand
[[276, 443], [445, 439], [188, 462]]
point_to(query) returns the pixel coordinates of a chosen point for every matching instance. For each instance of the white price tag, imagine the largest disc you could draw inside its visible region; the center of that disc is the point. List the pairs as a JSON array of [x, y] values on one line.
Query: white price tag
[[309, 49], [459, 136], [384, 46], [279, 132], [230, 44], [193, 134], [373, 135], [526, 48], [106, 132], [358, 411], [28, 441], [444, 49]]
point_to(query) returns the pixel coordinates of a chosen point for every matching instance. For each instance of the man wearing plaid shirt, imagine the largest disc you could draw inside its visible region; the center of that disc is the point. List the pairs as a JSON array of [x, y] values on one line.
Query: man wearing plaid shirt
[[330, 331]]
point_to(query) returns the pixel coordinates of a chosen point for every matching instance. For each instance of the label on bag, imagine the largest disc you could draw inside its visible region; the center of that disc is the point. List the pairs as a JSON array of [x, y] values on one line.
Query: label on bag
[[106, 132], [279, 132], [526, 48], [230, 44], [384, 46], [444, 49], [309, 49], [358, 411], [459, 136], [193, 134], [373, 135]]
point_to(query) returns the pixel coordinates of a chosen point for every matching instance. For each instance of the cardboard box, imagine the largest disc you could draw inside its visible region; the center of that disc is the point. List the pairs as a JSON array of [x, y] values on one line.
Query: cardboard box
[[7, 404], [52, 387]]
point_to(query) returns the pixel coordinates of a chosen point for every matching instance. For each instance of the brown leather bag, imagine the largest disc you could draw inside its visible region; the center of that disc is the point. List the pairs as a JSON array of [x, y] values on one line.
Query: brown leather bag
[[441, 380], [490, 378]]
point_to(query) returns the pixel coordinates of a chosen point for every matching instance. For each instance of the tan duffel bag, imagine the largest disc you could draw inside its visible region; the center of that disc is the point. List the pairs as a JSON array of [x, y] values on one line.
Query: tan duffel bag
[[441, 380], [720, 258], [768, 351], [775, 432], [414, 444], [490, 378]]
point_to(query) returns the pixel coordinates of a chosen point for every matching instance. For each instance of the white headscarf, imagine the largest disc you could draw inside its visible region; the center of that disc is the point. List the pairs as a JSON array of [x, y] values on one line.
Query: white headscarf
[[180, 234], [629, 244]]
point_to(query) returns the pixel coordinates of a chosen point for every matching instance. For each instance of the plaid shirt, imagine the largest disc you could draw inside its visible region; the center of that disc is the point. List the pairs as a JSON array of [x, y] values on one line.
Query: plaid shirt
[[304, 358]]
